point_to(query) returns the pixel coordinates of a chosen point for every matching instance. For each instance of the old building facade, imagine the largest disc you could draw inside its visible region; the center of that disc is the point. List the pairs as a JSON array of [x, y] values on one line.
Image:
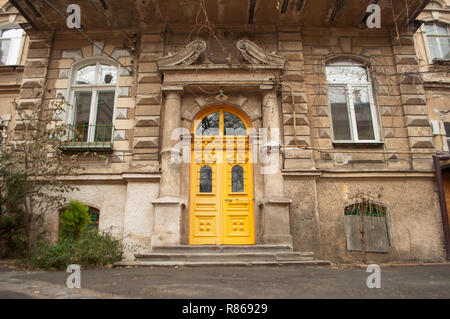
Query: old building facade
[[248, 123]]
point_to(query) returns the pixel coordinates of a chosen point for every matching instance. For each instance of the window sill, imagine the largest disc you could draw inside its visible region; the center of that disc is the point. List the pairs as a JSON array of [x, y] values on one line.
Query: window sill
[[349, 144], [88, 147], [11, 68], [441, 61]]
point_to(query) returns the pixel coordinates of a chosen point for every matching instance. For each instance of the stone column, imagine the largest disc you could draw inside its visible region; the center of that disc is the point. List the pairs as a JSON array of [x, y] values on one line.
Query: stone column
[[276, 225], [170, 173], [168, 205]]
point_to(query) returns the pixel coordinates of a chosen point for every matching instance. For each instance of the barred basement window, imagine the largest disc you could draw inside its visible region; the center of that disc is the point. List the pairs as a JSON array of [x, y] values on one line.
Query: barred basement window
[[376, 228]]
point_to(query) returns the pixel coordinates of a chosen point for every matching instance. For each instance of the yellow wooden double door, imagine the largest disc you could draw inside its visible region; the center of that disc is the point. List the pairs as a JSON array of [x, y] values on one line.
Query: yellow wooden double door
[[221, 186]]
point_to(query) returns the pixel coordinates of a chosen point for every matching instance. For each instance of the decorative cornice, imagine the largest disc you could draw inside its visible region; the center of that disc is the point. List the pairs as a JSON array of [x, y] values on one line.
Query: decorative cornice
[[185, 56], [256, 55]]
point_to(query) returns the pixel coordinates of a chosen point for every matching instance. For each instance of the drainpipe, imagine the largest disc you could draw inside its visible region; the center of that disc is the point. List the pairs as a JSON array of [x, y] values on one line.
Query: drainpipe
[[438, 171]]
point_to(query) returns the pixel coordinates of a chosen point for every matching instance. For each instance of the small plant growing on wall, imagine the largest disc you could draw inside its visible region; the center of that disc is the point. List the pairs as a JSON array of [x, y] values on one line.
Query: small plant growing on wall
[[74, 220], [362, 205]]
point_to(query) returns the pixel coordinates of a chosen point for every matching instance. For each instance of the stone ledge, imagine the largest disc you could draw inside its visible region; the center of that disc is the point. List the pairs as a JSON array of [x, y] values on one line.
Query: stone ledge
[[141, 176], [277, 201], [169, 200], [353, 174]]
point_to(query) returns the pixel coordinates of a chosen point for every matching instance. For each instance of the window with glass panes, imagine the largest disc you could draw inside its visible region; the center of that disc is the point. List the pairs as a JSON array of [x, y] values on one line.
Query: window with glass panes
[[95, 216], [438, 39], [93, 97], [353, 111], [447, 133], [10, 46]]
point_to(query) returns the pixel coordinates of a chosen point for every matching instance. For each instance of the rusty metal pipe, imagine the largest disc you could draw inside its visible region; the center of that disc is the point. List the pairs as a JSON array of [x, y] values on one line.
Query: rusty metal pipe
[[442, 203]]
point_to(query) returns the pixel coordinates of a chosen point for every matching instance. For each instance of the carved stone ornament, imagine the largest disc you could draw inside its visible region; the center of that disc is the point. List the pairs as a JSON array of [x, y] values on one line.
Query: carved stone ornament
[[185, 56], [255, 55]]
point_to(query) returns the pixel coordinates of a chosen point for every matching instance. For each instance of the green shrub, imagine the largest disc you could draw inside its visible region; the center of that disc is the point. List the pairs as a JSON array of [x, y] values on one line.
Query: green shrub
[[91, 249], [74, 219], [13, 240]]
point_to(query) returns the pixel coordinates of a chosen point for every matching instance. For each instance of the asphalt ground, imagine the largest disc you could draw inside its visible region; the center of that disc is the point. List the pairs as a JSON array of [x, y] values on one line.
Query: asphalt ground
[[256, 282]]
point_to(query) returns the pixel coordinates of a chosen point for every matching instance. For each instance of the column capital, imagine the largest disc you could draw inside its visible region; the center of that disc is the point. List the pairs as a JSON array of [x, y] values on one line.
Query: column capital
[[266, 87], [172, 89], [269, 98], [172, 92]]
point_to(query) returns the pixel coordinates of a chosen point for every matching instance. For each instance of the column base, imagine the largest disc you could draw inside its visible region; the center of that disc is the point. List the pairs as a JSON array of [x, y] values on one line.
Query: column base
[[167, 221], [276, 225]]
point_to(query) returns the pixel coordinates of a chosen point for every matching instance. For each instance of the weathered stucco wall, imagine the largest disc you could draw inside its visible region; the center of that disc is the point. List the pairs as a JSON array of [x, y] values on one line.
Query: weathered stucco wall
[[109, 198], [138, 216], [414, 217], [304, 215]]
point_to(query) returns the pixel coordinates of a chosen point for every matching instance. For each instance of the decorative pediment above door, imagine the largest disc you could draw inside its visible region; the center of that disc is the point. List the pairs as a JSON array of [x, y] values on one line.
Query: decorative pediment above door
[[254, 56], [185, 56]]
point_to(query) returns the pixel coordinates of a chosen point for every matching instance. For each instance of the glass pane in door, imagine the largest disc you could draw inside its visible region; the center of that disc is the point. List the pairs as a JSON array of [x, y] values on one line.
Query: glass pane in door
[[209, 125], [237, 179], [205, 179], [233, 125]]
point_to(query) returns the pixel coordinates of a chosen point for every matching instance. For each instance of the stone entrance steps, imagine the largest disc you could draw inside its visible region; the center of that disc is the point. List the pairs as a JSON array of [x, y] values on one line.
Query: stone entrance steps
[[222, 249], [225, 255]]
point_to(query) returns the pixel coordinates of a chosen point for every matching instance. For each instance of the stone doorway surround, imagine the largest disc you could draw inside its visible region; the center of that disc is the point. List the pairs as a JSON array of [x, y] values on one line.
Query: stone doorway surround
[[189, 88]]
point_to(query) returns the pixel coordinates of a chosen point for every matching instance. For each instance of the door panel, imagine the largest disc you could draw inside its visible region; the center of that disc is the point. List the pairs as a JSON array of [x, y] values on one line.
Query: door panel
[[205, 219], [221, 195], [238, 194]]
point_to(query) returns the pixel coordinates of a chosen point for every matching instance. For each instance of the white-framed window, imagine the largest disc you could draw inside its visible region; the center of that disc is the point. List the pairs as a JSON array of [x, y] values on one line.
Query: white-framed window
[[10, 46], [92, 99], [353, 112], [438, 40]]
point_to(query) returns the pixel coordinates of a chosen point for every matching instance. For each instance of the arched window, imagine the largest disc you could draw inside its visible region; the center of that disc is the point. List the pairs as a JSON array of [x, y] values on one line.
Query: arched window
[[376, 228], [210, 125], [94, 213], [353, 111], [10, 46], [93, 90], [438, 40]]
